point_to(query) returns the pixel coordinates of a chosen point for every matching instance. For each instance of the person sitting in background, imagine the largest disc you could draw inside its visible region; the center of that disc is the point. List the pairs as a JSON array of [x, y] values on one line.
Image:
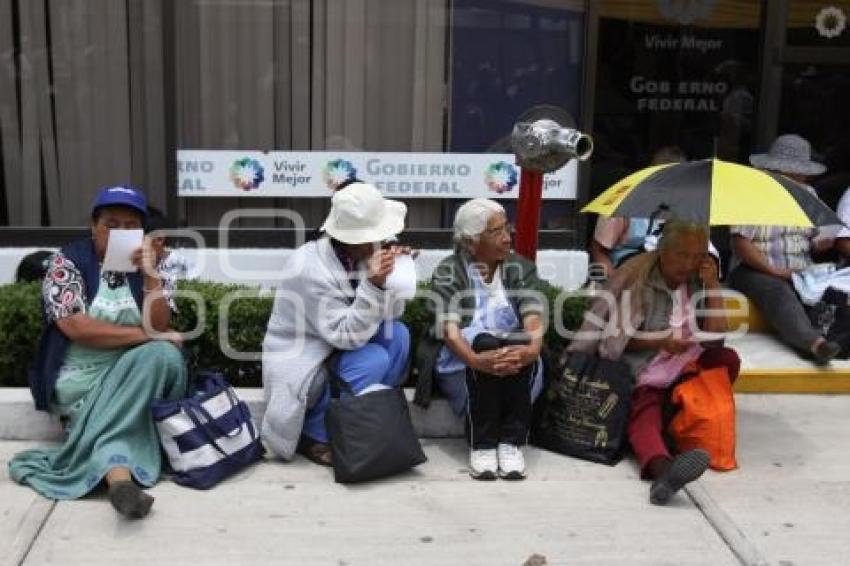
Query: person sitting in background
[[617, 239], [169, 262], [656, 288], [486, 290], [343, 322], [33, 267], [841, 244], [99, 365], [765, 257]]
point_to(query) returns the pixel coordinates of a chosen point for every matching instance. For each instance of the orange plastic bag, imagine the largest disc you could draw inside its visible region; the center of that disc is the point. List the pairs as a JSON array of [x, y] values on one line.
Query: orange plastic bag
[[706, 417]]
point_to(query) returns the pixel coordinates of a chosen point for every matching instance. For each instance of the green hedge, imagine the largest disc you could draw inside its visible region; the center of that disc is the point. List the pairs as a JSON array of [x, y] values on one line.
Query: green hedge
[[248, 319], [20, 325]]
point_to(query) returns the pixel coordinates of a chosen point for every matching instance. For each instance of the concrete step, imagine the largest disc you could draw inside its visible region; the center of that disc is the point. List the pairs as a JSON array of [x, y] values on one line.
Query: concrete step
[[20, 421], [767, 366]]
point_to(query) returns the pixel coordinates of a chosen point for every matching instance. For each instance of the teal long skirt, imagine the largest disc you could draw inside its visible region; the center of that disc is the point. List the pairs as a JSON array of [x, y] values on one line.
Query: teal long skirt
[[112, 429]]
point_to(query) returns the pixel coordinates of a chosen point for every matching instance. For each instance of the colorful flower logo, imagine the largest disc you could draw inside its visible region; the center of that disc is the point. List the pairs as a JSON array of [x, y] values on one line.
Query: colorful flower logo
[[337, 172], [247, 174], [500, 177], [830, 22]]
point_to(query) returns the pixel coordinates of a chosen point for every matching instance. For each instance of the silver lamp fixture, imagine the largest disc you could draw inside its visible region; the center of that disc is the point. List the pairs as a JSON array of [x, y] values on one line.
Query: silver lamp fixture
[[544, 145]]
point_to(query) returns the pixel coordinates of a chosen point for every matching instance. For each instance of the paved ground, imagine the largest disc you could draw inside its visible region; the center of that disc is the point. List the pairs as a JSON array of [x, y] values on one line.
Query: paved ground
[[787, 505]]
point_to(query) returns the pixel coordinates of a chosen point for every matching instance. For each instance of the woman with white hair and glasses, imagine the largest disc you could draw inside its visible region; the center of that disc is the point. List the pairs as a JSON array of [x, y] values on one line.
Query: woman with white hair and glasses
[[484, 354]]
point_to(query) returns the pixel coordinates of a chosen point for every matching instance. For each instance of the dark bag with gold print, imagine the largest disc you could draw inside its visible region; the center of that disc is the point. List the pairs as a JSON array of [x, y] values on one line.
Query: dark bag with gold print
[[584, 409]]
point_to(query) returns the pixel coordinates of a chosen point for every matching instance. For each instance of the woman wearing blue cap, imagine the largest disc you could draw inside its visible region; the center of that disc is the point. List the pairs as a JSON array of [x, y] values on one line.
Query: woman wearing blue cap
[[98, 367]]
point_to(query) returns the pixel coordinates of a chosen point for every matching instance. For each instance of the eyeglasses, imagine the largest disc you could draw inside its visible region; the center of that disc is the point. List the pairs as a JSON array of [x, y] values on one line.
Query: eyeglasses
[[507, 229]]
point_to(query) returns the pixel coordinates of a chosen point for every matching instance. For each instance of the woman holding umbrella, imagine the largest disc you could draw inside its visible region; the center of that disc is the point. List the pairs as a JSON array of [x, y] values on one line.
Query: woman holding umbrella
[[773, 214], [765, 257], [696, 194], [656, 333]]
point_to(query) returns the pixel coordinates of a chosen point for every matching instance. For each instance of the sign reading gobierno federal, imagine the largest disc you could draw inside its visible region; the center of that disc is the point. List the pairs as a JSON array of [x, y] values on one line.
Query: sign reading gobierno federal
[[227, 173]]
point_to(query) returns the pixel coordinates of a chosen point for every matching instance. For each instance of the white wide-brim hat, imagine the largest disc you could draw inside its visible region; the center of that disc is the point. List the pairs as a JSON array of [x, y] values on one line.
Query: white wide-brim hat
[[361, 215], [789, 153]]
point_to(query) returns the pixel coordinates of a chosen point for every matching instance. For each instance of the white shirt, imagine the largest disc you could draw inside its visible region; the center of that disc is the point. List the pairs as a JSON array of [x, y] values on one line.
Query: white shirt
[[843, 212]]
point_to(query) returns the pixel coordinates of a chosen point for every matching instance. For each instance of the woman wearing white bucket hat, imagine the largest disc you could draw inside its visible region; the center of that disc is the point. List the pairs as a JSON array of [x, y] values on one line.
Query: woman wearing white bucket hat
[[765, 257], [332, 312]]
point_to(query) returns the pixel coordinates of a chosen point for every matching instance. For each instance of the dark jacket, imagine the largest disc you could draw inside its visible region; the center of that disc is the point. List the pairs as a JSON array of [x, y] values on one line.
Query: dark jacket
[[449, 282], [53, 344]]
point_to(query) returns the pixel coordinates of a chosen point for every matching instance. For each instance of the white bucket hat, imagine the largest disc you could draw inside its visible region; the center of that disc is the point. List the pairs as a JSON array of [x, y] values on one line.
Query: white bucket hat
[[789, 154], [361, 215]]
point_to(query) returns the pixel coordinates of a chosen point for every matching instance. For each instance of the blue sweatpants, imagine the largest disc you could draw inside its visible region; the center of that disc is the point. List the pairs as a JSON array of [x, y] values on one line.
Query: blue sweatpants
[[381, 361]]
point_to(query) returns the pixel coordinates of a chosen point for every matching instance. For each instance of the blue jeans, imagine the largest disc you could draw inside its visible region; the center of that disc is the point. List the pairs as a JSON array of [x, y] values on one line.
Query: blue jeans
[[381, 361]]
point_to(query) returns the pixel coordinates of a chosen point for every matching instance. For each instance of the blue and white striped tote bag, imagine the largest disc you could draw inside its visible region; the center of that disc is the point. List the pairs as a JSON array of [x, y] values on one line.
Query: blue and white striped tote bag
[[209, 435]]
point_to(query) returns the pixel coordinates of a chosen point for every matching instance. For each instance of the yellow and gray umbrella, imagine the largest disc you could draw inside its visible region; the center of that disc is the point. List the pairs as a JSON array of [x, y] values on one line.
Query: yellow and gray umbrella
[[714, 192]]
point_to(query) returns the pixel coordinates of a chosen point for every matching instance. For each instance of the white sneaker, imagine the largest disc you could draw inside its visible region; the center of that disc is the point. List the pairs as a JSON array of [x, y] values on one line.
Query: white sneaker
[[511, 462], [483, 464]]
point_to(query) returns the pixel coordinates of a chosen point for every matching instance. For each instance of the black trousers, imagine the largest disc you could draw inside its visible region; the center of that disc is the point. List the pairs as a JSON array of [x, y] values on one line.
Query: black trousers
[[499, 408]]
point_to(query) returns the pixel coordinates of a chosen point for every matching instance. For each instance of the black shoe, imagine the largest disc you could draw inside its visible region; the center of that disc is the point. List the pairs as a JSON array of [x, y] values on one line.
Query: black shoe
[[315, 451], [128, 499], [825, 351], [684, 469]]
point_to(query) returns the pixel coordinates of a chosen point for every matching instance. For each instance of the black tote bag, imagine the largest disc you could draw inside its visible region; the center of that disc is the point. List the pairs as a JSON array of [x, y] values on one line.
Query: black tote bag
[[584, 409], [371, 435]]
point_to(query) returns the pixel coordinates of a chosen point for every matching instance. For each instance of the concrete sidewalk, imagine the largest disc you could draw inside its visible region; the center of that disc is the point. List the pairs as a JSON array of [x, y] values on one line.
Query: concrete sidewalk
[[785, 505]]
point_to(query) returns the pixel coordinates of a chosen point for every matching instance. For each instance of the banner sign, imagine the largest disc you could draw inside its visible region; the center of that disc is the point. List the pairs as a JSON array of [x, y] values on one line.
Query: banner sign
[[227, 173]]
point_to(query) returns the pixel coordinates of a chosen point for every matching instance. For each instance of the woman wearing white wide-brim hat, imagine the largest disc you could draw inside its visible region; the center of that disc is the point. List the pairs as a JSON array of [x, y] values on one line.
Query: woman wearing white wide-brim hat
[[332, 312], [765, 257]]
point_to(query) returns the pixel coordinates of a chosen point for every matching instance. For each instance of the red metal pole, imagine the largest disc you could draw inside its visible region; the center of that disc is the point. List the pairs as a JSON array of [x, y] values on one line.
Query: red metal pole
[[528, 213]]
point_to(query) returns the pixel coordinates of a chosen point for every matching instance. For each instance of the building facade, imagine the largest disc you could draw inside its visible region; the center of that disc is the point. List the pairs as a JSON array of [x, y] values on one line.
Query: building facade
[[96, 92]]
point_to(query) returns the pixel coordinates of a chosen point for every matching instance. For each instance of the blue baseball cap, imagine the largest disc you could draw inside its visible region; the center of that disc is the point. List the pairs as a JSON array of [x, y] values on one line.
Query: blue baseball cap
[[121, 195]]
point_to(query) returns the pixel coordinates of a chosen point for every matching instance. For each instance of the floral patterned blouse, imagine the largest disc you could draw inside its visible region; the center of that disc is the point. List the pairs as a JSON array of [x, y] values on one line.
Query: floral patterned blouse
[[64, 293]]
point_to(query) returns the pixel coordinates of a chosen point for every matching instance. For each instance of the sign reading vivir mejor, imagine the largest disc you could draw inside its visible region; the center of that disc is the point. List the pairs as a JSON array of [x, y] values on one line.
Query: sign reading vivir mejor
[[226, 173]]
